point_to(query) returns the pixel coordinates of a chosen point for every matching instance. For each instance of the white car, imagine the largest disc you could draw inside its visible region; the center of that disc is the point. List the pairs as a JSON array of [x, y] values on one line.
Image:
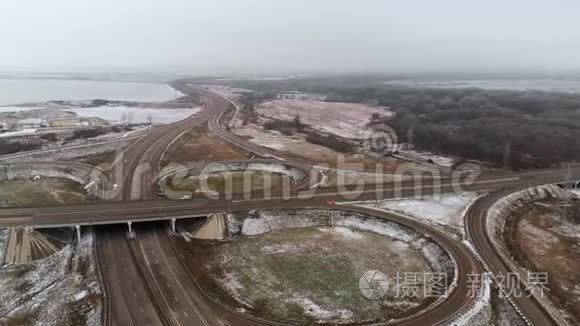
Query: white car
[[186, 197], [115, 187]]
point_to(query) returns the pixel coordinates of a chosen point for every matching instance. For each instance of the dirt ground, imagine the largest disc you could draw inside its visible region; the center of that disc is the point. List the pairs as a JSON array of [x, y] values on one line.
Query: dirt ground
[[297, 146], [103, 159], [47, 191], [542, 242], [348, 120], [195, 145], [61, 289]]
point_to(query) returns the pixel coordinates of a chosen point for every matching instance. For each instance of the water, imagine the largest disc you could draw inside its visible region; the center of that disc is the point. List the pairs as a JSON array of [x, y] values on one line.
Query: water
[[548, 85], [134, 115], [17, 91]]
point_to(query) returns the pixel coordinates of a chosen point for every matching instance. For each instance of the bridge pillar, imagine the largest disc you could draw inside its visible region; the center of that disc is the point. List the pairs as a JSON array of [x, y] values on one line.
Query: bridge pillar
[[172, 222], [78, 229], [130, 225]]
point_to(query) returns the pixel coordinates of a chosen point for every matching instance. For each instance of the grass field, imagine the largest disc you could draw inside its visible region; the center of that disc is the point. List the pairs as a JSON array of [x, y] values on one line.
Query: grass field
[[234, 181], [47, 191], [312, 274]]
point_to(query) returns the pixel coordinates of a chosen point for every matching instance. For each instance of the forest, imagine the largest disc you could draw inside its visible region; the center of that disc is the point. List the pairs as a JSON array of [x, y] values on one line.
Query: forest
[[515, 129]]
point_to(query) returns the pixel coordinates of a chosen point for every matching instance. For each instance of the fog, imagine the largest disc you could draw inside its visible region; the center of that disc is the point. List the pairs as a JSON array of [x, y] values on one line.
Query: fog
[[273, 36]]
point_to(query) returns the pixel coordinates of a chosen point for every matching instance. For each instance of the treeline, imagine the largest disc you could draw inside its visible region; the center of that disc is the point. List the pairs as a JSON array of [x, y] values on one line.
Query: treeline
[[11, 147], [330, 141], [87, 133], [518, 129], [513, 129]]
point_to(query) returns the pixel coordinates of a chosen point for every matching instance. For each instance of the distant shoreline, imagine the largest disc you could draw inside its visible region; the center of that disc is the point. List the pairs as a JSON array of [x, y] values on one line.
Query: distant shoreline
[[17, 91]]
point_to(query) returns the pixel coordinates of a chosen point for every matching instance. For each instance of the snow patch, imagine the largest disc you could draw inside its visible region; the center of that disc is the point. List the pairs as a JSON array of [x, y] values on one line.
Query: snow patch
[[273, 220], [347, 120], [255, 226], [233, 285], [315, 311], [23, 132], [135, 114], [3, 244], [445, 210], [361, 222], [81, 295], [5, 109], [479, 313], [282, 248], [422, 157]]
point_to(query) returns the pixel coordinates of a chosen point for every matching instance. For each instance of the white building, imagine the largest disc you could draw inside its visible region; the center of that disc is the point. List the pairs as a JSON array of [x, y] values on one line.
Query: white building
[[32, 123]]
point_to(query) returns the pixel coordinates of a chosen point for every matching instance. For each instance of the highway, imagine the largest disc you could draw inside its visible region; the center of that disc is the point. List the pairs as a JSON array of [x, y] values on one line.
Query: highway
[[135, 171], [146, 274], [129, 301], [479, 236]]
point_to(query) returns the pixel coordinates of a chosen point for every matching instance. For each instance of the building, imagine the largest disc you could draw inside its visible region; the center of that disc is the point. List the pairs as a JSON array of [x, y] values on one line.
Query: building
[[32, 123], [66, 122]]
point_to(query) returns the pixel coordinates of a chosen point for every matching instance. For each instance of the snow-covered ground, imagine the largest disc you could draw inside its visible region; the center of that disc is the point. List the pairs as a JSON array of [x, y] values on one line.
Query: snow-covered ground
[[296, 174], [134, 114], [24, 132], [386, 228], [3, 244], [266, 221], [60, 289], [480, 313], [66, 153], [271, 220], [20, 283], [231, 93], [444, 210], [4, 109], [315, 311], [348, 120], [421, 156], [323, 231]]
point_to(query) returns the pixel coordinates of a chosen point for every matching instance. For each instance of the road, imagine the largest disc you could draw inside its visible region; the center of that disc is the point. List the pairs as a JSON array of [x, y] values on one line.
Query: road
[[161, 283], [128, 298], [479, 236]]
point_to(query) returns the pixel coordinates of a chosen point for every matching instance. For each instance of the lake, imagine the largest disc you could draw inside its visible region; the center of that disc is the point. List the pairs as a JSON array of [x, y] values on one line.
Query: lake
[[17, 91], [548, 85]]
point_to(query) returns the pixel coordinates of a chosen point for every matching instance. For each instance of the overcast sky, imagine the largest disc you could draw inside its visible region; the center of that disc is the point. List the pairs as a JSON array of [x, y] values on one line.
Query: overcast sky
[[291, 35]]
